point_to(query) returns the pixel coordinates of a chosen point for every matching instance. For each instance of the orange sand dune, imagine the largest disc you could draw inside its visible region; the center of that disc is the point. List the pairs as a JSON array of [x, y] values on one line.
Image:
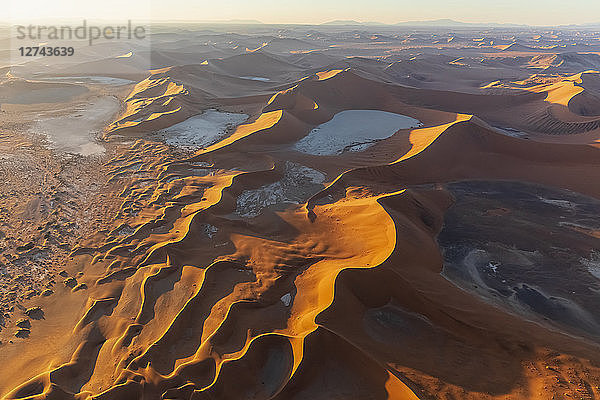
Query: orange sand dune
[[565, 91], [221, 351], [151, 101], [337, 296], [484, 154]]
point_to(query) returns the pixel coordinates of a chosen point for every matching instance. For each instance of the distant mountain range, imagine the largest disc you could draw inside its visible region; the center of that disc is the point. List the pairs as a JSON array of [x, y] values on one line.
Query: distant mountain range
[[429, 23], [231, 21], [449, 23]]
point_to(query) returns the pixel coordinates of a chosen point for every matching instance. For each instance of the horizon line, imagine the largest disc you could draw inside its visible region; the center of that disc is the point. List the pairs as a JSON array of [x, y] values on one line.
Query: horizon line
[[331, 23]]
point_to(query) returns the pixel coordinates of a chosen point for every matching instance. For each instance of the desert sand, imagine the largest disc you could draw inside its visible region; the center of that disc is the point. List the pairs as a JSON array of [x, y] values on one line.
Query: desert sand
[[309, 213]]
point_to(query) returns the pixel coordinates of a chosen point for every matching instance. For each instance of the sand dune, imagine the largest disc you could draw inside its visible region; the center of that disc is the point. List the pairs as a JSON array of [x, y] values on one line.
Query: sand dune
[[254, 64], [451, 254], [150, 102]]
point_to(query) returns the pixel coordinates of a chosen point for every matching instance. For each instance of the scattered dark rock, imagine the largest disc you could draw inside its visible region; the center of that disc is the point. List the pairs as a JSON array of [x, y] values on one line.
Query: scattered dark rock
[[70, 282], [26, 246], [81, 286], [35, 313], [23, 323], [22, 333]]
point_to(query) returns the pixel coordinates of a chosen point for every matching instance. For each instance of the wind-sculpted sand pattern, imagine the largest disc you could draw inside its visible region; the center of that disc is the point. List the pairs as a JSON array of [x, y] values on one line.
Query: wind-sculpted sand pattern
[[152, 99], [340, 297], [233, 308]]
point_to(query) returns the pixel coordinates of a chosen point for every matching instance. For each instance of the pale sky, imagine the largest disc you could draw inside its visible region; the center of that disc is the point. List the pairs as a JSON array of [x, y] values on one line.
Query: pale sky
[[534, 12]]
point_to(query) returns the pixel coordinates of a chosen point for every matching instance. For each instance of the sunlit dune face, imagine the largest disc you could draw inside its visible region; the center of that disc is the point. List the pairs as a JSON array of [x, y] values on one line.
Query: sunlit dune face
[[160, 70], [138, 102], [421, 138], [563, 92], [559, 90], [258, 48], [265, 121], [324, 75]]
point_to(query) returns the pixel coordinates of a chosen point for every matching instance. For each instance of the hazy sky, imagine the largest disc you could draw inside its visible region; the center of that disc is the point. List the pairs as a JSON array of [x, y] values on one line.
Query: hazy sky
[[535, 12]]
